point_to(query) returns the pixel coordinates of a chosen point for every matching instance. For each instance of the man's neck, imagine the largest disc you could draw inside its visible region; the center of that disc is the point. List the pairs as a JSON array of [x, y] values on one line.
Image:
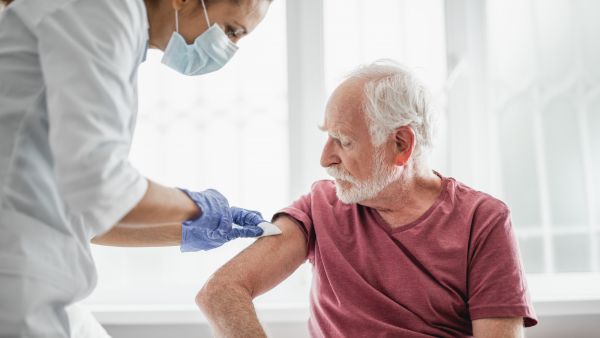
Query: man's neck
[[408, 198]]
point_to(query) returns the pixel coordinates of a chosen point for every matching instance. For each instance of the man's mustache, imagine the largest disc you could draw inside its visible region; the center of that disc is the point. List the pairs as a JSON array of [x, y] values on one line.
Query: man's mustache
[[341, 174]]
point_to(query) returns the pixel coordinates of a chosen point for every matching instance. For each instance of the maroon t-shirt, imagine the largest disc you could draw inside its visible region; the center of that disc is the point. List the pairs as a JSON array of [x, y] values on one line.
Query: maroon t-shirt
[[458, 262]]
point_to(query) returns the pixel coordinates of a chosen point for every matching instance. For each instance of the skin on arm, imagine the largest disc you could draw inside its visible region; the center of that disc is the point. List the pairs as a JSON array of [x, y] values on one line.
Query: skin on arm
[[226, 298], [154, 221], [146, 236], [498, 328]]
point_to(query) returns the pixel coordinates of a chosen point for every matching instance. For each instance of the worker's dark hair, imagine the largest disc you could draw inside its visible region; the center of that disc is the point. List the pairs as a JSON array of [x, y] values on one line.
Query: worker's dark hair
[[6, 2]]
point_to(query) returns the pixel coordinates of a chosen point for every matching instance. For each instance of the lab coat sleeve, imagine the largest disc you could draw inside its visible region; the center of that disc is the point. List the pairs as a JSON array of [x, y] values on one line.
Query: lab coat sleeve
[[89, 55]]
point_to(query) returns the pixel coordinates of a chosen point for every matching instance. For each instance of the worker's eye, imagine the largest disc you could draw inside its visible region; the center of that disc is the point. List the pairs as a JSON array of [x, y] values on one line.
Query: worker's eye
[[233, 33], [230, 32]]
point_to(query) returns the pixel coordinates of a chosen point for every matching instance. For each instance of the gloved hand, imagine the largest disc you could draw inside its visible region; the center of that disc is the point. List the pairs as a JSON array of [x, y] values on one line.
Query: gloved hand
[[215, 226]]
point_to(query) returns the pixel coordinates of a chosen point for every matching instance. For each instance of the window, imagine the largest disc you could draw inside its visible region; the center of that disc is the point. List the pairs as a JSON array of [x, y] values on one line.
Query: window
[[544, 83], [526, 81], [359, 32], [523, 114]]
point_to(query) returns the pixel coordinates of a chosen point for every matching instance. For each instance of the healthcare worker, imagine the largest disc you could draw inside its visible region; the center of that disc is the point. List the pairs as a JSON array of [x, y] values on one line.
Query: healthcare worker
[[68, 99]]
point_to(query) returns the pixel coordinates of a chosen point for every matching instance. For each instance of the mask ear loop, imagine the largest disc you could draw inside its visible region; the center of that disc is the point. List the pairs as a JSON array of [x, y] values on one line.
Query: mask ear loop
[[205, 13], [177, 21]]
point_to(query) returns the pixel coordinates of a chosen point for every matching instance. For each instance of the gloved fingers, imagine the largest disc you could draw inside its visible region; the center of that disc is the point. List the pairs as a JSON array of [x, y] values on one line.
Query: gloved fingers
[[246, 232], [192, 240], [251, 231], [245, 218]]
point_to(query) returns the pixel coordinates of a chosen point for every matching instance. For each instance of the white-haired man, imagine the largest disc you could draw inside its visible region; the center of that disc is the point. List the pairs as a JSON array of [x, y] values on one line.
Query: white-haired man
[[398, 250]]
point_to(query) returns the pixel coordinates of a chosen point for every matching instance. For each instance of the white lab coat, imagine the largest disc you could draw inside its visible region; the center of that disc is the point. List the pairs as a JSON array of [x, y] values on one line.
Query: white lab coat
[[68, 101], [83, 323]]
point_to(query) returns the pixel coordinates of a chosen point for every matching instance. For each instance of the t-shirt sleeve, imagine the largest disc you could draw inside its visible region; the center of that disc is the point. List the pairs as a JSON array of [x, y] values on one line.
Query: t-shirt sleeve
[[496, 282], [300, 211]]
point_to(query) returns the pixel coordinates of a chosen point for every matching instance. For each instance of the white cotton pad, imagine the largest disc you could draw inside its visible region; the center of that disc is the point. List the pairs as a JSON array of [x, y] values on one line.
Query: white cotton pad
[[270, 229]]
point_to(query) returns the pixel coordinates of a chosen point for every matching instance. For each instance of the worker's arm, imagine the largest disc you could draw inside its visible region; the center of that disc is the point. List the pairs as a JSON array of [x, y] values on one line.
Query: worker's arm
[[161, 205], [511, 327], [208, 221], [141, 236], [154, 221], [226, 299]]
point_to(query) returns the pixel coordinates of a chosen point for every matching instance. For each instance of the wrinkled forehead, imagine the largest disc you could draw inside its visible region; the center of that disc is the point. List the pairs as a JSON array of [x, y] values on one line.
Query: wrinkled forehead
[[344, 109]]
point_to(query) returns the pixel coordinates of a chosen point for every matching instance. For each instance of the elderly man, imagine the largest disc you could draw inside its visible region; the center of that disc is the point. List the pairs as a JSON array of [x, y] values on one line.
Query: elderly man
[[398, 250]]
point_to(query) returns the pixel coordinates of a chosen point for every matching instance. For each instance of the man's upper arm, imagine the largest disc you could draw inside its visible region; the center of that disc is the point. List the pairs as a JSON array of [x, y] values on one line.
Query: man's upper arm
[[498, 327], [268, 261]]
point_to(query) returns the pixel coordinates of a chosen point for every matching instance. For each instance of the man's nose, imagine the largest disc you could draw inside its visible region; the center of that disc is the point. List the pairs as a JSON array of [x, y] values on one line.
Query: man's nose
[[329, 156]]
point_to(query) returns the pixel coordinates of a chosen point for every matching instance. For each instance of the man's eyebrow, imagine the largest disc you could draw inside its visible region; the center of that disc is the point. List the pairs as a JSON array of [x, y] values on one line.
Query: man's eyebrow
[[336, 134], [332, 133]]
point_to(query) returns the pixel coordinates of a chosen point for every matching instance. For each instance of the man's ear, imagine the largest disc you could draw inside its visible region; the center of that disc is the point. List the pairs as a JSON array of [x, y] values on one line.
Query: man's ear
[[405, 143]]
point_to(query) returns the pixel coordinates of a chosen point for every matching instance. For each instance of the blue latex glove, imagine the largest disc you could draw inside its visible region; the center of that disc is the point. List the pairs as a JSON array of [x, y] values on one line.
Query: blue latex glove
[[215, 226]]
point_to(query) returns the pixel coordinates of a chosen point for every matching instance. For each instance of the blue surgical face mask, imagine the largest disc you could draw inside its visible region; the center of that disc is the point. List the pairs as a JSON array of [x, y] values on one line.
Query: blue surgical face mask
[[209, 52]]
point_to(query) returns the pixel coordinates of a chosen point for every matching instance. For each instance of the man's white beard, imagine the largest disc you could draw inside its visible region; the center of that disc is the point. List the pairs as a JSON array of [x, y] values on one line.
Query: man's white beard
[[359, 191]]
